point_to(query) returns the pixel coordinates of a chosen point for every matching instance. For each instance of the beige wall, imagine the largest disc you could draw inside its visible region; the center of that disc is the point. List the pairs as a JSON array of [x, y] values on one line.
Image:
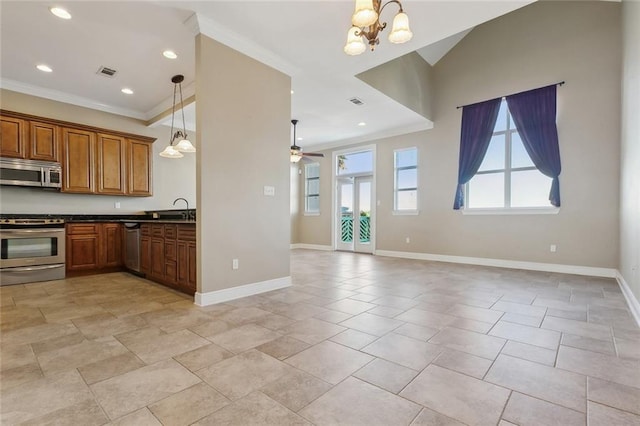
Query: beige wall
[[171, 178], [293, 202], [630, 155], [578, 42], [243, 114]]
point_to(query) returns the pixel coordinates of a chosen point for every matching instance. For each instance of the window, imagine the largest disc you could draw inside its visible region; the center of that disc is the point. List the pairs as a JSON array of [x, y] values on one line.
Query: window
[[507, 178], [355, 163], [405, 188], [312, 188]]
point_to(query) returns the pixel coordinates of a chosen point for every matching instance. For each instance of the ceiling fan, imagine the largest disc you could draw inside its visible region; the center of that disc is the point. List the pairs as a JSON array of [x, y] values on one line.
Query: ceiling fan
[[296, 151]]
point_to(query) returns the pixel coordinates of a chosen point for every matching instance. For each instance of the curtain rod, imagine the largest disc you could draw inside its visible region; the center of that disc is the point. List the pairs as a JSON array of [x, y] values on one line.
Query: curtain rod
[[560, 83]]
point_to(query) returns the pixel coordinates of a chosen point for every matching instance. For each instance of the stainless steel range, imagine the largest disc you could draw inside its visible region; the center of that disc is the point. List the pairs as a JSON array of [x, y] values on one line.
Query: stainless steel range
[[31, 250]]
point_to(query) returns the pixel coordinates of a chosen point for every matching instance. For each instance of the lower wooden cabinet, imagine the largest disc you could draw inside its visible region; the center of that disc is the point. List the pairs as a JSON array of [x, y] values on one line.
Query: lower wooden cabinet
[[93, 247]]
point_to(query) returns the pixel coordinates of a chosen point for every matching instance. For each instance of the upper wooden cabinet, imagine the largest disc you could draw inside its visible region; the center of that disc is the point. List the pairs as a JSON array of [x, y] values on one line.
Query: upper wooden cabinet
[[13, 136], [94, 160]]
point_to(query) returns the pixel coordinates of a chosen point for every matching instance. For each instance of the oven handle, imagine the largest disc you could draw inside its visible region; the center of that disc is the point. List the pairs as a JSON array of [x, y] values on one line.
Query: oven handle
[[31, 231], [34, 268]]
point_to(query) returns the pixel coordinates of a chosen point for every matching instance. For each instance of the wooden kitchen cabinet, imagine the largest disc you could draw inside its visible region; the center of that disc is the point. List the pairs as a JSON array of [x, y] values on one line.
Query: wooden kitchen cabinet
[[145, 248], [13, 136], [111, 164], [111, 243], [78, 161], [43, 141], [139, 174], [157, 258], [93, 247]]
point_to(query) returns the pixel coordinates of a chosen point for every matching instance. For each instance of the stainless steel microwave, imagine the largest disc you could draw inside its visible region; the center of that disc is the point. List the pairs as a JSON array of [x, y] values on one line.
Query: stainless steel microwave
[[18, 172]]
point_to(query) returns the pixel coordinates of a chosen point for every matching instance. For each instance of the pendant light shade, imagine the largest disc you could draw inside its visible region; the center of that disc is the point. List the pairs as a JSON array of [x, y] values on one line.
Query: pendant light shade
[[295, 158], [400, 32], [367, 26], [364, 14], [183, 144], [355, 45]]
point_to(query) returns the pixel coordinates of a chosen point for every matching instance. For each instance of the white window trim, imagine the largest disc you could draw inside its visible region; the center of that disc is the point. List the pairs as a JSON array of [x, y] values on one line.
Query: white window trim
[[306, 195], [511, 211], [405, 212]]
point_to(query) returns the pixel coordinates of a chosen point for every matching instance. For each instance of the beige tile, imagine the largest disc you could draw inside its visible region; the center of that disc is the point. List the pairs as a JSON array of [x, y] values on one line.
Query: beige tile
[[458, 396], [349, 306], [170, 320], [386, 311], [615, 395], [15, 376], [274, 321], [254, 409], [136, 338], [386, 375], [530, 353], [296, 389], [372, 324], [188, 406], [408, 352], [109, 367], [401, 303], [15, 356], [312, 330], [355, 402], [474, 313], [587, 343], [238, 376], [244, 337], [353, 339], [426, 318], [57, 343], [107, 325], [467, 341], [601, 366], [471, 325], [429, 417], [122, 308], [36, 333], [128, 392], [60, 314], [601, 415], [240, 316], [165, 346], [525, 334], [34, 399], [580, 328], [416, 331], [142, 417], [283, 347], [629, 349], [578, 315], [74, 356], [522, 319], [203, 357], [16, 317], [550, 384], [210, 328], [332, 316], [461, 362], [85, 413], [329, 361], [527, 411]]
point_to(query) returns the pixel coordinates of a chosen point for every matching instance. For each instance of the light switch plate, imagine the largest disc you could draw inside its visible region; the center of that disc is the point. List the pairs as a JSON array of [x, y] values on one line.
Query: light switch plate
[[269, 191]]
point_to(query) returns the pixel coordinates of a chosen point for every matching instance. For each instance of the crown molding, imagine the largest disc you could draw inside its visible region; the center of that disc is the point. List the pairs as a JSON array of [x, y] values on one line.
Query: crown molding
[[56, 95]]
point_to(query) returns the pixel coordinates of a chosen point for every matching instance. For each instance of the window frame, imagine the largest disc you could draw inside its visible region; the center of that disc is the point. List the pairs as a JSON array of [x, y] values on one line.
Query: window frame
[[307, 195], [396, 190], [507, 172]]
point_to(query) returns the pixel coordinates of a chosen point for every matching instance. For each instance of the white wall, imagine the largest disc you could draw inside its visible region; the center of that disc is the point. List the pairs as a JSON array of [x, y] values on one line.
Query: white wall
[[172, 178]]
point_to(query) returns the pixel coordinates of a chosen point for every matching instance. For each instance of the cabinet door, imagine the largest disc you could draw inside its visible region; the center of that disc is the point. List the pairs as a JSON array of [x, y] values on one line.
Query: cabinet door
[[13, 137], [192, 279], [111, 164], [43, 139], [145, 255], [82, 252], [182, 263], [139, 174], [111, 244], [78, 161], [157, 258]]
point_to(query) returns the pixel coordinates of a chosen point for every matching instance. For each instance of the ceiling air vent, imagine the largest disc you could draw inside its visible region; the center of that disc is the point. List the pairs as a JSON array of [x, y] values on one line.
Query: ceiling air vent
[[106, 71], [356, 101]]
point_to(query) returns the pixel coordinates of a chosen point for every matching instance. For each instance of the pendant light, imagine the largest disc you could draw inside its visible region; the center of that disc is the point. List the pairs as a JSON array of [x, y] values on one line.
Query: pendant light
[[183, 144]]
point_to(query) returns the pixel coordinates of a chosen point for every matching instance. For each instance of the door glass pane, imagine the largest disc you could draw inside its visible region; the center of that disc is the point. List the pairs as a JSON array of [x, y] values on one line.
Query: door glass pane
[[494, 158], [530, 188], [519, 155], [357, 162], [407, 200], [407, 178], [486, 191], [21, 248], [346, 212], [364, 209]]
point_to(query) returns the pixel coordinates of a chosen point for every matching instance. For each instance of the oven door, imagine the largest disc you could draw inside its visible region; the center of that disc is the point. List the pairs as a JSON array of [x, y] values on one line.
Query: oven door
[[31, 247]]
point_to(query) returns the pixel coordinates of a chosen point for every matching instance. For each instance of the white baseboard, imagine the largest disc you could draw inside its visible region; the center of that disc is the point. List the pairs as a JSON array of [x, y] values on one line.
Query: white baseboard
[[213, 297], [632, 301], [502, 263], [311, 247]]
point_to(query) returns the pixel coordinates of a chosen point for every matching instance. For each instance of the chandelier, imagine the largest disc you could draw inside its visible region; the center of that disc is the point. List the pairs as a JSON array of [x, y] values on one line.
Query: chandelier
[[366, 23], [183, 145]]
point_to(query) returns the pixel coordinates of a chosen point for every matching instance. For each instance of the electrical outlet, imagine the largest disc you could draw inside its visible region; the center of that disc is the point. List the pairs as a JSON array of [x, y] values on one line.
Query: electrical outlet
[[117, 204], [553, 248], [408, 240], [269, 191], [234, 264]]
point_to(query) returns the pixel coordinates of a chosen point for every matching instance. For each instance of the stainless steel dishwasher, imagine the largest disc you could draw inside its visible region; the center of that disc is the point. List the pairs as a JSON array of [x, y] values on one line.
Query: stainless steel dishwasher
[[132, 246]]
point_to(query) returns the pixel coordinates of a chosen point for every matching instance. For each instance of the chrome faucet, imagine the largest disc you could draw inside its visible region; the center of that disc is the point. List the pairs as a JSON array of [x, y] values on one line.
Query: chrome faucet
[[187, 213]]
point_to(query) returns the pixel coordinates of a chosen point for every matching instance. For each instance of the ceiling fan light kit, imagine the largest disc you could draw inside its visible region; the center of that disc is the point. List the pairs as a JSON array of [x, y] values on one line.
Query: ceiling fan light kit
[[366, 24], [183, 144]]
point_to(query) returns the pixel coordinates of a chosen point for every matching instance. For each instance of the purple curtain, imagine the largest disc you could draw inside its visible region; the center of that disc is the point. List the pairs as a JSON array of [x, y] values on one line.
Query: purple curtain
[[478, 122], [534, 113]]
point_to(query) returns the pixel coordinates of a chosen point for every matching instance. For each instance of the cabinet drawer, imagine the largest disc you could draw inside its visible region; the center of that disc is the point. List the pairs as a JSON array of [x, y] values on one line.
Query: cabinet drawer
[[170, 232], [145, 229], [82, 228], [186, 233], [157, 230]]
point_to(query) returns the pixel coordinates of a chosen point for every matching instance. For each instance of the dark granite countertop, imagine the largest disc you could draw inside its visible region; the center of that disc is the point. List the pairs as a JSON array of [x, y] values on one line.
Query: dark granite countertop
[[152, 216]]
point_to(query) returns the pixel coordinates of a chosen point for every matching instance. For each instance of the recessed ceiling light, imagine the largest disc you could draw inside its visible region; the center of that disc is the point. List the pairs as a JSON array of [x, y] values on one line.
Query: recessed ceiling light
[[292, 92], [127, 91], [60, 12], [169, 54], [44, 68], [362, 123], [299, 138]]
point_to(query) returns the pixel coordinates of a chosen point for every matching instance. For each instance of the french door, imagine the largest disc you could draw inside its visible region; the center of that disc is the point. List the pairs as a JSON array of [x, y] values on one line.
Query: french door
[[354, 214]]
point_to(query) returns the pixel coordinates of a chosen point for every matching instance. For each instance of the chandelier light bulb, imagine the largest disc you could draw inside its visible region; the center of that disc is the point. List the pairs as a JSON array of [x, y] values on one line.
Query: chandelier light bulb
[[355, 45], [295, 158], [400, 33], [364, 14]]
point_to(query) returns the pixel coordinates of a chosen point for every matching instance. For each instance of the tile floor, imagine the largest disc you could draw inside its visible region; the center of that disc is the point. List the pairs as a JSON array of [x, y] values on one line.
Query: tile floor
[[356, 340]]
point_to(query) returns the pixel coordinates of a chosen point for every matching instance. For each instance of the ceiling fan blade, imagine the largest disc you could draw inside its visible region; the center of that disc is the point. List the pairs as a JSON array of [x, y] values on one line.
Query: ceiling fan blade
[[312, 154]]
